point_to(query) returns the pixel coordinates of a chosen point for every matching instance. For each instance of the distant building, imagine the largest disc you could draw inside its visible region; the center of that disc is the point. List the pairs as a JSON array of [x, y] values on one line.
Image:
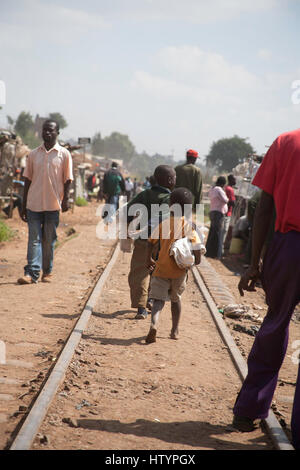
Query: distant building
[[38, 126]]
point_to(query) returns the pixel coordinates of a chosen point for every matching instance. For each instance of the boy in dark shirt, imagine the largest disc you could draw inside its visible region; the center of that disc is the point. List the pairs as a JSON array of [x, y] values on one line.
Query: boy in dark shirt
[[139, 275]]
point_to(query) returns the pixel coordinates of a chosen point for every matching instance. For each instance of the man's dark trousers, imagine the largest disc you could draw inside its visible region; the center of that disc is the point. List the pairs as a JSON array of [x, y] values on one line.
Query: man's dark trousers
[[281, 282]]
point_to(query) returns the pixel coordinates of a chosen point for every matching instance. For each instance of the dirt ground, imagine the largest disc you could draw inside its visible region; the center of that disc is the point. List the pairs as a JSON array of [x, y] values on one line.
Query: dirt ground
[[37, 319], [120, 393]]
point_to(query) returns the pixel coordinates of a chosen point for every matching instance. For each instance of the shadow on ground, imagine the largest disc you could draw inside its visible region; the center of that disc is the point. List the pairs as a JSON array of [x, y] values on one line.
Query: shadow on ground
[[193, 433]]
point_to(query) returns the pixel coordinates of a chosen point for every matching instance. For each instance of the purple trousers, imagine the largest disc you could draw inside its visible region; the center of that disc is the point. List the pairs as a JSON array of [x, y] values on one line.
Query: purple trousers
[[281, 283]]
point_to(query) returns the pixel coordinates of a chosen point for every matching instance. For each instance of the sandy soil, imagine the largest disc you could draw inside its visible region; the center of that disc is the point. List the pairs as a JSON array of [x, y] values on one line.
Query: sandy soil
[[37, 319], [119, 393]]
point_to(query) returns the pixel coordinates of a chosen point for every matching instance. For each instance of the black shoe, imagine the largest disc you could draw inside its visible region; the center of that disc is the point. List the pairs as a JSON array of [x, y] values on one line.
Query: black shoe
[[244, 424]]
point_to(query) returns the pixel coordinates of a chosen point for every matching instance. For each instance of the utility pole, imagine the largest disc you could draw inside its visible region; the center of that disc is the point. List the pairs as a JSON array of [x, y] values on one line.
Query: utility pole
[[84, 141]]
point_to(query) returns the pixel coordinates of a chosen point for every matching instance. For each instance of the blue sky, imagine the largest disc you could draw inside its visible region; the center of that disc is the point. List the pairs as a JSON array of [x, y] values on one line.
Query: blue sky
[[171, 74]]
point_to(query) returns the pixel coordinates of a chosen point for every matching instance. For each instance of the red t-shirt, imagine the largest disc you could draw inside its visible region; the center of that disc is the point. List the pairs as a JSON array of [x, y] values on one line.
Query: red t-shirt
[[279, 176], [231, 197]]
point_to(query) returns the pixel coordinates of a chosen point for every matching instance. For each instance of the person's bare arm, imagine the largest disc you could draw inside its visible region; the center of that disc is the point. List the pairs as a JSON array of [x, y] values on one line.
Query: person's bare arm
[[23, 214], [261, 225], [150, 263], [197, 255], [65, 202]]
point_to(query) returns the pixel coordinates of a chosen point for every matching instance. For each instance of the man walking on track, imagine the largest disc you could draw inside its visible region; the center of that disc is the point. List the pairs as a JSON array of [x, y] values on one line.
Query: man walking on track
[[113, 187], [278, 177], [48, 175], [189, 176]]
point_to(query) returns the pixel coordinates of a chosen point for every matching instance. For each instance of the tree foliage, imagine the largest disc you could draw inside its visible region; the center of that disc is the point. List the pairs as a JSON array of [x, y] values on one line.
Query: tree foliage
[[118, 146], [59, 118], [226, 153], [97, 144], [24, 127], [24, 124], [10, 120]]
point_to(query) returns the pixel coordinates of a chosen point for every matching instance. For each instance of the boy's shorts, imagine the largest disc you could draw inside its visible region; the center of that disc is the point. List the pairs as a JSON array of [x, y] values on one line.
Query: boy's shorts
[[167, 289]]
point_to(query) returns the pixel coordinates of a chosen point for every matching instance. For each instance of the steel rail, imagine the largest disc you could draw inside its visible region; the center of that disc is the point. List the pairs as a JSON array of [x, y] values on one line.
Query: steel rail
[[274, 428], [37, 413]]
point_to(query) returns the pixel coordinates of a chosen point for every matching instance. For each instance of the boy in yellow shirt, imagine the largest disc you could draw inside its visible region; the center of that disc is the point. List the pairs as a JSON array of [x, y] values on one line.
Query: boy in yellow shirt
[[168, 280]]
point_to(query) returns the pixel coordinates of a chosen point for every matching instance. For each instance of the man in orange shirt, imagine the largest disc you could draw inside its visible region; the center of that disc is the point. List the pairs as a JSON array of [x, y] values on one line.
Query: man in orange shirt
[[168, 279], [48, 175]]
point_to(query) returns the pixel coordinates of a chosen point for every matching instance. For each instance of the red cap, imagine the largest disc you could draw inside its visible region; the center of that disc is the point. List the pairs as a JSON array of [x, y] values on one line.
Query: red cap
[[192, 153]]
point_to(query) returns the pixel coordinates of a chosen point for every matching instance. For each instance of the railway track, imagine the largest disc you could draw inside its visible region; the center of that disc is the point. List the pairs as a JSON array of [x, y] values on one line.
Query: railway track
[[29, 428], [274, 428]]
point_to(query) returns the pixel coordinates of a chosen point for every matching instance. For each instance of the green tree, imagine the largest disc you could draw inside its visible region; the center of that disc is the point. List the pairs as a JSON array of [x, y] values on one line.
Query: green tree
[[97, 144], [24, 127], [59, 118], [142, 164], [226, 153], [24, 124], [118, 146]]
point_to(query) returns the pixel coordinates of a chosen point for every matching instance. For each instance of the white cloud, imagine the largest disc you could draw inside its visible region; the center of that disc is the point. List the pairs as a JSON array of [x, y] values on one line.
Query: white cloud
[[170, 90], [187, 72], [217, 97], [206, 69]]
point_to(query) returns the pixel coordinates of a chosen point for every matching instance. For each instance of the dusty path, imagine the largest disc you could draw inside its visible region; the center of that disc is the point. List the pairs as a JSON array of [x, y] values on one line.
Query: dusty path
[[120, 393], [37, 319]]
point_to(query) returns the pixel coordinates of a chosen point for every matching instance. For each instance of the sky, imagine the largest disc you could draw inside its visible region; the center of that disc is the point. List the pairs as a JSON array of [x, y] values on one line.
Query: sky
[[170, 74]]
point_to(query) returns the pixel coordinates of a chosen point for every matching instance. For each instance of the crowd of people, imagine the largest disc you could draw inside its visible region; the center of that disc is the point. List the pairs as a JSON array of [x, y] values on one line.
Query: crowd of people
[[159, 265]]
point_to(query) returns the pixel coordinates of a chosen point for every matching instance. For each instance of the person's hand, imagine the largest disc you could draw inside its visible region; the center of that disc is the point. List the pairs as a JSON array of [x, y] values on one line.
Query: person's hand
[[150, 263], [23, 214], [248, 280], [65, 205]]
